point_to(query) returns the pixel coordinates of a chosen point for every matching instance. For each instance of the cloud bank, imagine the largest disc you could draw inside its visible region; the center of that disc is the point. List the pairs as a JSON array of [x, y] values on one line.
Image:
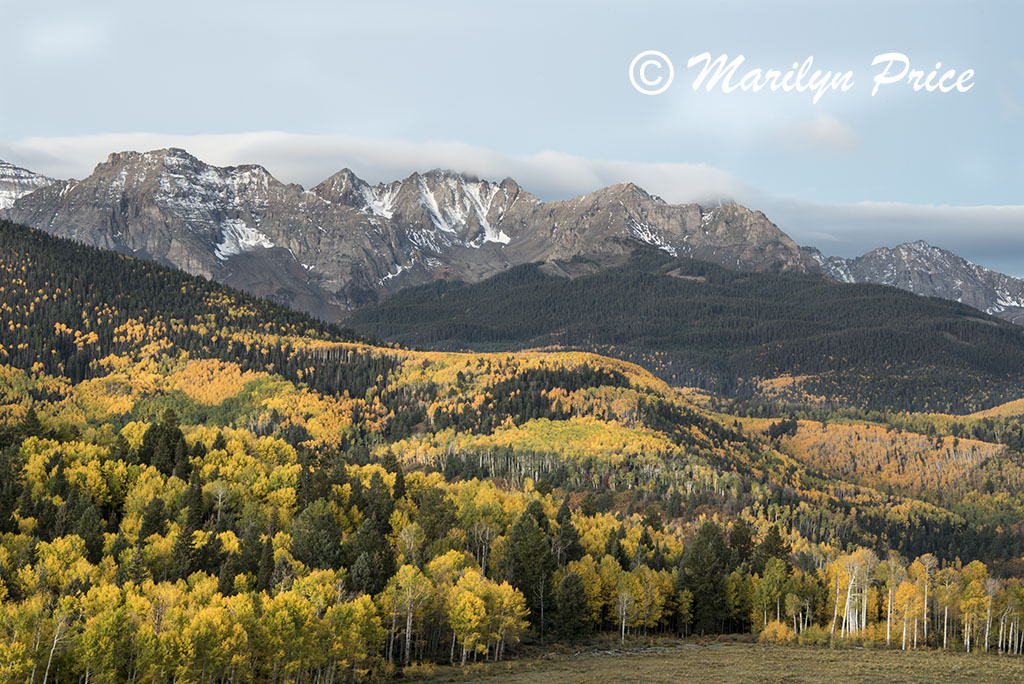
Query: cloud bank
[[309, 159]]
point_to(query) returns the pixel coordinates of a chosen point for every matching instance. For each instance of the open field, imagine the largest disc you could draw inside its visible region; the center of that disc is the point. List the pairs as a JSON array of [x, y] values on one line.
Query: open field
[[737, 663]]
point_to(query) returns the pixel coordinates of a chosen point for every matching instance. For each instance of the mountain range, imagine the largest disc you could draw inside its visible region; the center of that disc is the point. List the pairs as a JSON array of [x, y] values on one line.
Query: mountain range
[[346, 243]]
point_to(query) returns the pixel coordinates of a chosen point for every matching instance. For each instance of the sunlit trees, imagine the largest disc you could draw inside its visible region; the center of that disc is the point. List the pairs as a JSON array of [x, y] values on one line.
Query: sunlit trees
[[627, 603], [466, 614], [406, 593], [974, 603]]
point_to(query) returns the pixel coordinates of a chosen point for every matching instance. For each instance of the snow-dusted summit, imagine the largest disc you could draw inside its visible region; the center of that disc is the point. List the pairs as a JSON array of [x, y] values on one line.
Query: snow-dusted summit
[[924, 269], [333, 247], [17, 182]]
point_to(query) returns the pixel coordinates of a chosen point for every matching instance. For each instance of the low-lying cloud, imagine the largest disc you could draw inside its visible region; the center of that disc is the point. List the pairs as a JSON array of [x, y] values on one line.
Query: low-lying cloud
[[309, 159]]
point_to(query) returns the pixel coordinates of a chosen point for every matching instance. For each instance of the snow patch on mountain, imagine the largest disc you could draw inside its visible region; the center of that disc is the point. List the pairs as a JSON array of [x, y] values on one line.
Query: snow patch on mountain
[[16, 182], [646, 233], [380, 200], [390, 275], [237, 237]]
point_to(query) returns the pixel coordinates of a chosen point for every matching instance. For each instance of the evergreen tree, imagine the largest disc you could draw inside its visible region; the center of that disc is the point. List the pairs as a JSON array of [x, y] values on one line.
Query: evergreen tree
[[567, 540], [10, 489], [183, 555], [703, 575], [226, 576], [573, 617], [194, 503], [90, 528], [536, 509], [265, 573], [134, 570], [741, 543], [390, 464], [364, 578], [316, 536], [153, 519], [377, 504], [772, 546], [436, 514], [652, 518], [532, 566]]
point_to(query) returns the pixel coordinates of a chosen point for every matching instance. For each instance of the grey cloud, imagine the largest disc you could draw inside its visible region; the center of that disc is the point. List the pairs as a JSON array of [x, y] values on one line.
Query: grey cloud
[[309, 159]]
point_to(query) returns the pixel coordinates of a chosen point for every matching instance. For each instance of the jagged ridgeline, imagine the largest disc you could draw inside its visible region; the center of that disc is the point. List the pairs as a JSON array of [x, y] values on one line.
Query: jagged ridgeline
[[65, 306], [735, 333]]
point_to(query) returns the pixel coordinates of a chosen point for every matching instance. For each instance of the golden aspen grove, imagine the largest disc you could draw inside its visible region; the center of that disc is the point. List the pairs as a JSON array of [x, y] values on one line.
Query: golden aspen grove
[[197, 486]]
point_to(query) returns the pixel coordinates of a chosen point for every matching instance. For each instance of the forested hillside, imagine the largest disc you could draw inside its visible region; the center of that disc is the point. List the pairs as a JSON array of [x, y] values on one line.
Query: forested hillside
[[196, 486], [694, 323]]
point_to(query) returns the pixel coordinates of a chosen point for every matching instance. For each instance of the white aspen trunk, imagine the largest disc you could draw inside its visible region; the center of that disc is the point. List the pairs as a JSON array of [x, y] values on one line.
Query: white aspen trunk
[[926, 607], [945, 625], [835, 613], [57, 636], [393, 634], [904, 632], [846, 606], [888, 619], [988, 623], [408, 635]]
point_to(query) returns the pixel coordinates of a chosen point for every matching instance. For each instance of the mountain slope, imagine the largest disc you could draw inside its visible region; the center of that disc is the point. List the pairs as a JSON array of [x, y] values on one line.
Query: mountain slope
[[16, 182], [926, 270], [106, 345], [68, 308], [176, 461], [695, 323], [337, 246]]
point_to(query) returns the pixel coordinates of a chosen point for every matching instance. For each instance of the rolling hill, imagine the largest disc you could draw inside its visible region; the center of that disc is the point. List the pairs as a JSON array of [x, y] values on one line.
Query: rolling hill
[[694, 323]]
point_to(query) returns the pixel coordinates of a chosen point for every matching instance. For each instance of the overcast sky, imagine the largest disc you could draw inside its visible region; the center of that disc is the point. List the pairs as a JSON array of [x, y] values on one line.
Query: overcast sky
[[540, 91]]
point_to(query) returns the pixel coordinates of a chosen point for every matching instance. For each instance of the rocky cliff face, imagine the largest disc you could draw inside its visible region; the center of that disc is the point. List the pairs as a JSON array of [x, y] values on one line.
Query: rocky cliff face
[[17, 182], [926, 270], [330, 249]]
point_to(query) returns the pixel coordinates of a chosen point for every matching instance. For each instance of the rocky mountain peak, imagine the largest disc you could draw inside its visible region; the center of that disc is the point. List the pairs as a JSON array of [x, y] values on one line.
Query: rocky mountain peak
[[331, 248], [925, 269], [16, 182]]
